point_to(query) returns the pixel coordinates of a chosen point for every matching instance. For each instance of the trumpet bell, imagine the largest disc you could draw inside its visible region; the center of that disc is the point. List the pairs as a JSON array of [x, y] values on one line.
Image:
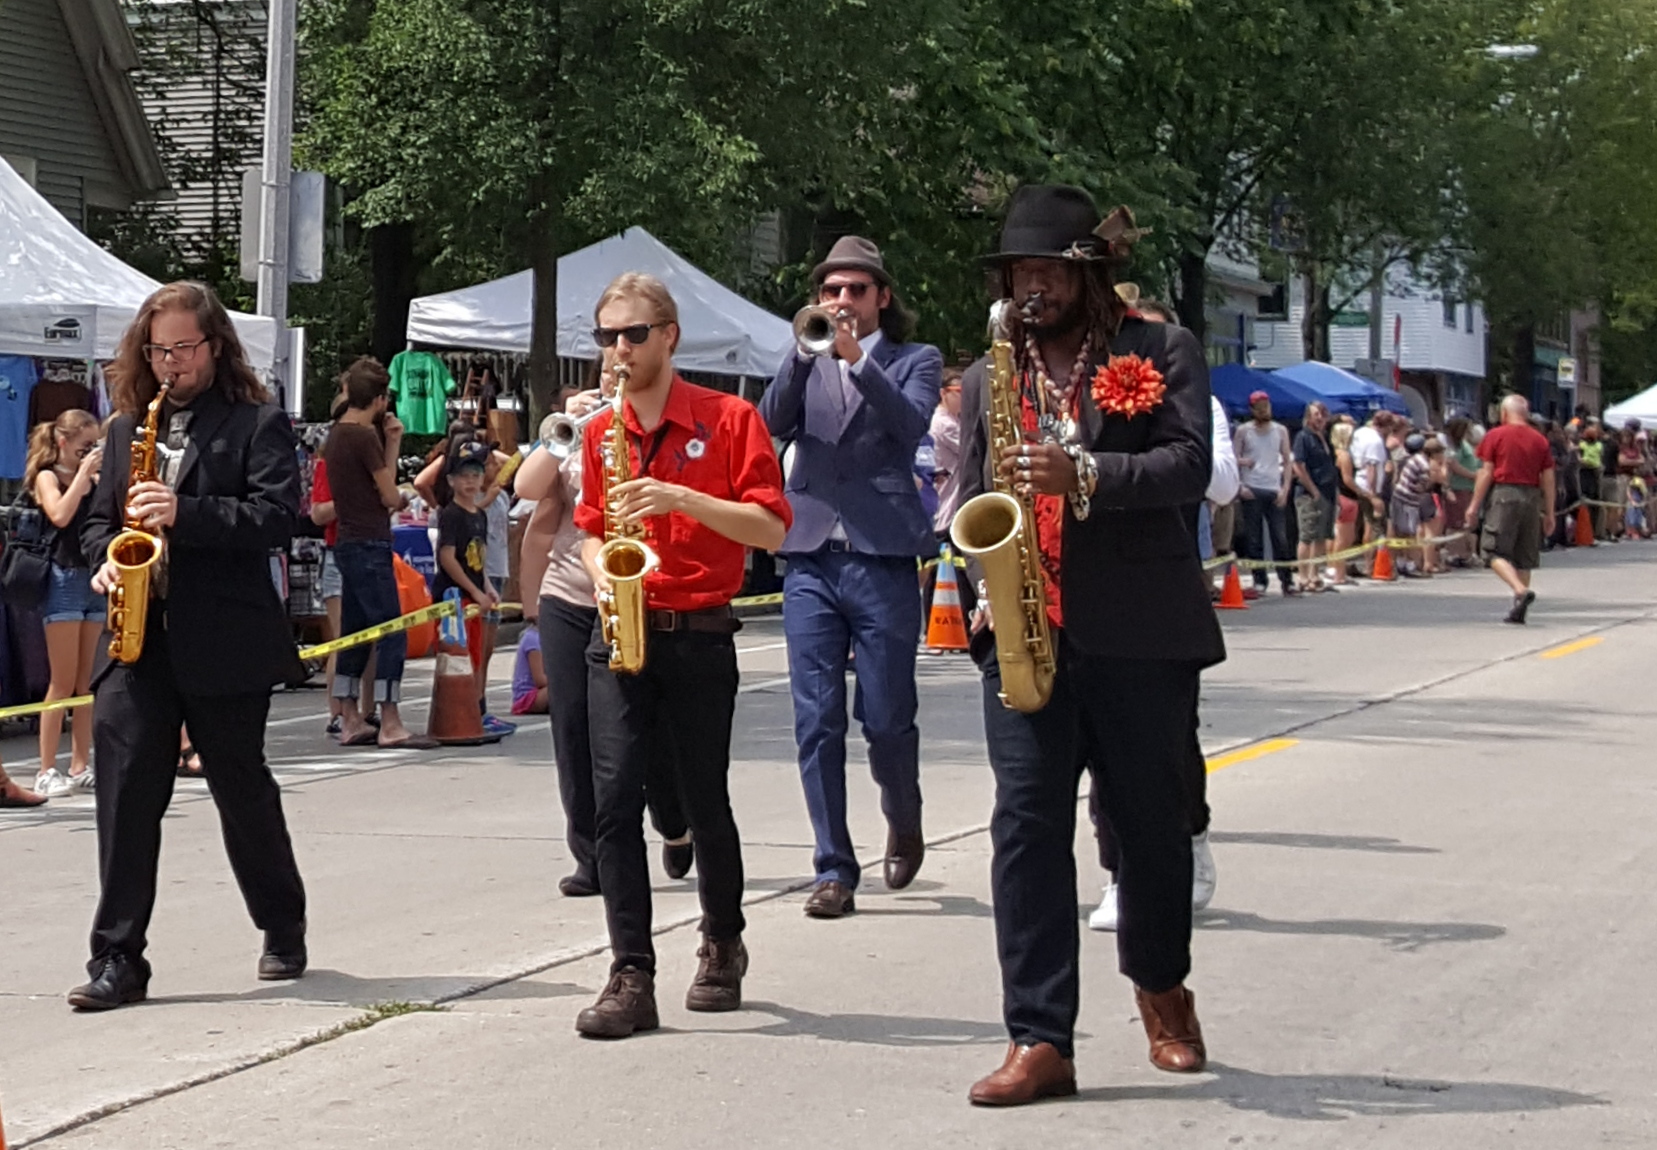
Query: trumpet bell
[[814, 330]]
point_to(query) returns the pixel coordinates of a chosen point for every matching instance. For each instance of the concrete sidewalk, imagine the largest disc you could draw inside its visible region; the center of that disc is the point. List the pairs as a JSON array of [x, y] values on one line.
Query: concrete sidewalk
[[1417, 906]]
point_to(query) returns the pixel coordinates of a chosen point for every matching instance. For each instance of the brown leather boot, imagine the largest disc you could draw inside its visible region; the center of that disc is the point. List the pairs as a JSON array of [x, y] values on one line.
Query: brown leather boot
[[1029, 1073], [627, 1006], [1171, 1024], [718, 982]]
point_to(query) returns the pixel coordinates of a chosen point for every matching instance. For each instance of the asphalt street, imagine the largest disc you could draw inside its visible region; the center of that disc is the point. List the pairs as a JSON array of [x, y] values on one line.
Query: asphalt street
[[1433, 839]]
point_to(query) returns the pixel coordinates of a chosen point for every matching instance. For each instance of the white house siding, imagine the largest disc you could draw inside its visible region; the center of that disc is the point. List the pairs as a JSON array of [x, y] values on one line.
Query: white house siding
[[47, 112], [1427, 343]]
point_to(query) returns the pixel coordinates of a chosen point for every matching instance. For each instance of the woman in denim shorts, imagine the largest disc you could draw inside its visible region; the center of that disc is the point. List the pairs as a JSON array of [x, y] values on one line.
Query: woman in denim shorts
[[62, 468]]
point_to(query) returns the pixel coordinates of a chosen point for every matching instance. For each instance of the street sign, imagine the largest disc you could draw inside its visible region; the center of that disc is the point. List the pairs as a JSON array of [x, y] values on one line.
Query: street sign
[[1567, 371], [308, 195]]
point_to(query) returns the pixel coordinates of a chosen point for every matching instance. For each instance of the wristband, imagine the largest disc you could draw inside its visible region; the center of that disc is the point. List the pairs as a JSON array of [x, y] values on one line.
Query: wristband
[[1087, 480]]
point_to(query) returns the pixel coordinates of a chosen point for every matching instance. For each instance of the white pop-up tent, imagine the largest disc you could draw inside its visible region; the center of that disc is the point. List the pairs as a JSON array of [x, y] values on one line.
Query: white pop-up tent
[[719, 330], [1642, 407], [62, 295]]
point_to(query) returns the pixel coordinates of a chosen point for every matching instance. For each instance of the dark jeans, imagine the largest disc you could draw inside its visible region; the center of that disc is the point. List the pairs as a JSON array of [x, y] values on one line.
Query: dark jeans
[[1262, 514], [368, 595], [687, 689], [566, 629], [1133, 719], [1195, 779], [832, 601], [135, 731]]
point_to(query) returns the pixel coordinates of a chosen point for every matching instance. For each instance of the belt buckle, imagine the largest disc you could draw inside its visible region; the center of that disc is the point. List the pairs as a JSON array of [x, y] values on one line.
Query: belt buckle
[[667, 620]]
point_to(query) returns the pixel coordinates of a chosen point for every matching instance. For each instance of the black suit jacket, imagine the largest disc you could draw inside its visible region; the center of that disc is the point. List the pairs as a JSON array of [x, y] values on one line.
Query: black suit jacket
[[238, 499], [1131, 582]]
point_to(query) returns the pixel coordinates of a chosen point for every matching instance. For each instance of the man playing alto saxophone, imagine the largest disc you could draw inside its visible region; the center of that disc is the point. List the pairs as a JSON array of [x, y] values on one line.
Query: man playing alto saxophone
[[1115, 442], [705, 485]]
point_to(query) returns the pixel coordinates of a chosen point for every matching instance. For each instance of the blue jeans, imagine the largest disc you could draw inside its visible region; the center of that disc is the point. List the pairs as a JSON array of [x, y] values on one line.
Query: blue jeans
[[834, 601], [368, 595]]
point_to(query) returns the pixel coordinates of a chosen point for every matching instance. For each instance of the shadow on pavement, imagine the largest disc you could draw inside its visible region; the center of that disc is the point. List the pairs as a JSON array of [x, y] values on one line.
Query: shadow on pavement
[[902, 1030], [1399, 936], [1337, 1097], [322, 987], [957, 905], [1308, 841]]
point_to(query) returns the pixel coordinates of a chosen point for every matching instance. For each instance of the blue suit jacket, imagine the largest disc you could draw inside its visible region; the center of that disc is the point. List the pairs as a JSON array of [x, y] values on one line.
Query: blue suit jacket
[[857, 465]]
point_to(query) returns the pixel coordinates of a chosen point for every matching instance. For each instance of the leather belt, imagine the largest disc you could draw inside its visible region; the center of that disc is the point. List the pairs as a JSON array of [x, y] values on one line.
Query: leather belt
[[709, 620], [834, 546]]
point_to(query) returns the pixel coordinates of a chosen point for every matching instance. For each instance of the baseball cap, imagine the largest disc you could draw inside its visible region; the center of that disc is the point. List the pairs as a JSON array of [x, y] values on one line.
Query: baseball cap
[[468, 454], [1257, 396]]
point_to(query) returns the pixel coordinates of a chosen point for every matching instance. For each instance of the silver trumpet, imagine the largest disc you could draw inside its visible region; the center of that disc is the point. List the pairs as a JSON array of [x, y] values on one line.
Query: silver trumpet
[[815, 328], [561, 432]]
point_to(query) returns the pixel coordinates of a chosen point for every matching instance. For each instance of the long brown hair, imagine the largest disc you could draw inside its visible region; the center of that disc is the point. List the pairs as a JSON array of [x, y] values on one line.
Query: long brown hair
[[132, 382], [43, 442]]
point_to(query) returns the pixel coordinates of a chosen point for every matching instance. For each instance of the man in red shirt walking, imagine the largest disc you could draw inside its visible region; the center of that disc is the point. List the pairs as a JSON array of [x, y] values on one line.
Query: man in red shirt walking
[[706, 486], [1518, 478]]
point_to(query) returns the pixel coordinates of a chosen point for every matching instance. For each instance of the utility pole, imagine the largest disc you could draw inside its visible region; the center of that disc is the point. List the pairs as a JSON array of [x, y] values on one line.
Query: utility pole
[[1377, 303], [275, 200]]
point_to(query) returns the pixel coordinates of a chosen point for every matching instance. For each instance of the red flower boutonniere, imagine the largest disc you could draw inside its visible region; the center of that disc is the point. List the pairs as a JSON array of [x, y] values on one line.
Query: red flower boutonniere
[[1128, 385]]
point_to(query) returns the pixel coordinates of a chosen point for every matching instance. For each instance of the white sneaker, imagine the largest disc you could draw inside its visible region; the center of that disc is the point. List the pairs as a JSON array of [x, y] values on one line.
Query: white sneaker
[[1203, 875], [53, 783], [1104, 918], [83, 782]]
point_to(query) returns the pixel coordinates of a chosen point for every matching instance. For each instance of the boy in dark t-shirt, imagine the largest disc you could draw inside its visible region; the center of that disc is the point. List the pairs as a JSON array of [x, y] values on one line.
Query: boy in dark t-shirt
[[462, 541]]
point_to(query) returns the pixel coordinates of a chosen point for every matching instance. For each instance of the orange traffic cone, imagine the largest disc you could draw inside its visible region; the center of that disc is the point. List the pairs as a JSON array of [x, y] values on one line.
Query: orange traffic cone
[[1584, 528], [1231, 593], [455, 718], [1383, 572], [946, 629]]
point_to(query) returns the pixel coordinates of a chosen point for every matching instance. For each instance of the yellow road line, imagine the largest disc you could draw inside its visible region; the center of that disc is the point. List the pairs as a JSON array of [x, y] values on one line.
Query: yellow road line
[[1243, 755], [1564, 649]]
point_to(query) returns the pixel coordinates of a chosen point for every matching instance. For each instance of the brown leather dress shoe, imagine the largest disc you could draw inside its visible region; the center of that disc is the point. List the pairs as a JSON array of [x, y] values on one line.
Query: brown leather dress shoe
[[627, 1006], [718, 982], [830, 899], [903, 858], [1171, 1024], [1028, 1074]]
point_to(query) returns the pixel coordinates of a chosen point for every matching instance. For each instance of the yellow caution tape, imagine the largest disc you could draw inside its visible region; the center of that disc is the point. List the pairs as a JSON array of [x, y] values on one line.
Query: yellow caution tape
[[23, 710], [379, 630]]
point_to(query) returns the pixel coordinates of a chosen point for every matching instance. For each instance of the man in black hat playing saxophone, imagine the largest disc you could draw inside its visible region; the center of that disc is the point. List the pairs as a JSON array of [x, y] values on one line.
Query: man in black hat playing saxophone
[[1116, 421]]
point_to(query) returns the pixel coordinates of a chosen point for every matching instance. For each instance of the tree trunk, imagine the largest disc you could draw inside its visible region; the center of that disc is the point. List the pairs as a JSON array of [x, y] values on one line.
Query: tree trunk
[[1311, 311], [543, 337], [391, 259], [1193, 294]]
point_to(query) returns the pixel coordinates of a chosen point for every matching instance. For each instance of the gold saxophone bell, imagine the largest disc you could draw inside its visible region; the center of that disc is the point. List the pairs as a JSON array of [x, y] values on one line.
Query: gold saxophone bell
[[815, 329], [624, 558]]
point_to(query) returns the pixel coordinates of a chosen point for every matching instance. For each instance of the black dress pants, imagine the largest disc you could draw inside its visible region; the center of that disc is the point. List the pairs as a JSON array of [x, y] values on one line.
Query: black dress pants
[[1195, 779], [135, 732], [1132, 719], [566, 630], [685, 696]]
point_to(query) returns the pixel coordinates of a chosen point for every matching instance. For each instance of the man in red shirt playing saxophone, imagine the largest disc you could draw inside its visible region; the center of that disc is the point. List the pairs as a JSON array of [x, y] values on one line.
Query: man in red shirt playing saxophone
[[705, 486]]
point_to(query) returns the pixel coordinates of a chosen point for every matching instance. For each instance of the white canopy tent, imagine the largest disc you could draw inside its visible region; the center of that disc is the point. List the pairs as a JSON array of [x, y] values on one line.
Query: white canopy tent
[[719, 330], [1642, 407], [61, 295]]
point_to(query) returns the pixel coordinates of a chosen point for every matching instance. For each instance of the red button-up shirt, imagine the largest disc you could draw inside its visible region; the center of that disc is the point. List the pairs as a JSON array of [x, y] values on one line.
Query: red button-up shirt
[[709, 441]]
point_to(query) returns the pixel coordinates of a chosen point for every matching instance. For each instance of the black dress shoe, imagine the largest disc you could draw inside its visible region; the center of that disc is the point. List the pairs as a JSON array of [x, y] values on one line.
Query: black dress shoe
[[903, 858], [116, 981], [284, 955], [581, 884], [830, 899], [677, 858]]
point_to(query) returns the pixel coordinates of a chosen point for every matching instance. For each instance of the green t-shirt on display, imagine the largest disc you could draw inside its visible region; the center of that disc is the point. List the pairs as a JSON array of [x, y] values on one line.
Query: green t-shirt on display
[[1468, 458], [421, 385]]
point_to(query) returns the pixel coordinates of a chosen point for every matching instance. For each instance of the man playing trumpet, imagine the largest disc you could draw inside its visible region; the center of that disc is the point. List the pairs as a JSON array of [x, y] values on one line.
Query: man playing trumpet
[[855, 400]]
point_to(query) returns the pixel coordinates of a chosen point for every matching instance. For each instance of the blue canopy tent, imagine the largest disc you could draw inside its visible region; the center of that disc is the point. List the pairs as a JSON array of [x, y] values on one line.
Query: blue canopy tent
[[1361, 397], [1232, 384]]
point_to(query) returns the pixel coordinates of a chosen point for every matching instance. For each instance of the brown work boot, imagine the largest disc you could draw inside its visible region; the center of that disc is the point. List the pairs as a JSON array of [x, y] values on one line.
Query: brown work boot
[[718, 982], [628, 1005], [1170, 1020], [1029, 1073]]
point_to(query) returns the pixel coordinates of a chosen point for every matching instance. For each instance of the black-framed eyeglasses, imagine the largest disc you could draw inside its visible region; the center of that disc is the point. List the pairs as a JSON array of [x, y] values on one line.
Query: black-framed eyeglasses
[[833, 291], [181, 351], [636, 334]]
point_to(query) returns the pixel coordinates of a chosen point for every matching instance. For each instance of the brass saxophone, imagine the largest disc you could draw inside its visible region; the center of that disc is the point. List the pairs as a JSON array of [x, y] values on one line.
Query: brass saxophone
[[135, 551], [999, 529], [625, 558]]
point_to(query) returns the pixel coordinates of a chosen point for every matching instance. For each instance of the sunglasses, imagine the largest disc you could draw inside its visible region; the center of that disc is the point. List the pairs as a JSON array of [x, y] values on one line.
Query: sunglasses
[[833, 291], [161, 353], [636, 334]]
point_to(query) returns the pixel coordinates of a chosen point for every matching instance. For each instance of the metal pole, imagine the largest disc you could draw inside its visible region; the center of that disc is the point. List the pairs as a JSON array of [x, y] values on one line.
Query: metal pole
[[274, 199]]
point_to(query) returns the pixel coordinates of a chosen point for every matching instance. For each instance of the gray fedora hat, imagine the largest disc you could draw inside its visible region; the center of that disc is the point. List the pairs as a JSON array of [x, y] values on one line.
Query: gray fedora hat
[[853, 253]]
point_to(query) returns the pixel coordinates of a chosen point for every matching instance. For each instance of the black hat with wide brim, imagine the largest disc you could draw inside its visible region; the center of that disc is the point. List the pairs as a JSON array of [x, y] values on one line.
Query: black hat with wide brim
[[1060, 222]]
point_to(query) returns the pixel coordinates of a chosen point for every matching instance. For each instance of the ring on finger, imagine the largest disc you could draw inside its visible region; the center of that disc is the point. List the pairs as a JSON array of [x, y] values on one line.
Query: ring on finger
[[1024, 463]]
